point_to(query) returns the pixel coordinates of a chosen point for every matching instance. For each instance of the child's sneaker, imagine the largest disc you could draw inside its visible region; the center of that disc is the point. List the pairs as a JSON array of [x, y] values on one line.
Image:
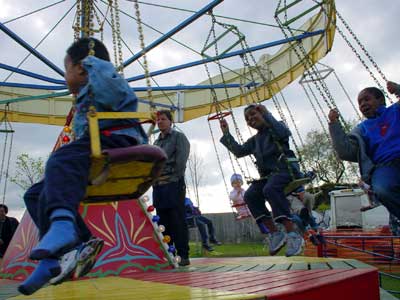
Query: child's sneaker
[[294, 244], [276, 240], [68, 264], [87, 256]]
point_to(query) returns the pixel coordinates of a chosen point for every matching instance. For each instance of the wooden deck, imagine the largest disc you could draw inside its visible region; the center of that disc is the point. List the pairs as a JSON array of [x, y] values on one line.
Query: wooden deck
[[282, 278]]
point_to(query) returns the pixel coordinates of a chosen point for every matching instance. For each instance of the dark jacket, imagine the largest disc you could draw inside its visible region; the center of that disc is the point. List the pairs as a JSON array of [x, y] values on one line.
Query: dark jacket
[[270, 147], [7, 231]]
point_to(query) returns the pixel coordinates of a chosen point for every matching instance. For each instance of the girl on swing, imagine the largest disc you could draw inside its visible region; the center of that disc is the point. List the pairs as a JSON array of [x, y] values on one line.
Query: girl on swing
[[53, 203], [237, 197], [277, 167]]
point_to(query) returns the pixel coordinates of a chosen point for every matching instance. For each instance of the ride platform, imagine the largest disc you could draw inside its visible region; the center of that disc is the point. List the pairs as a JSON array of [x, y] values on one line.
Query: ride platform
[[225, 279]]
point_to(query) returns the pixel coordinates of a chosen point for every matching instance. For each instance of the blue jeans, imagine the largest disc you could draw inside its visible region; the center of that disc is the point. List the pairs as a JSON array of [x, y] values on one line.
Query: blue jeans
[[206, 229], [65, 181], [271, 190], [385, 182], [169, 200]]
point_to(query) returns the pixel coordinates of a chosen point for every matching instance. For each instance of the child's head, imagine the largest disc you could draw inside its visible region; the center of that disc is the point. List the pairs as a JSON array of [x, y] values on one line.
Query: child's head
[[164, 120], [369, 99], [254, 117], [75, 74], [236, 180]]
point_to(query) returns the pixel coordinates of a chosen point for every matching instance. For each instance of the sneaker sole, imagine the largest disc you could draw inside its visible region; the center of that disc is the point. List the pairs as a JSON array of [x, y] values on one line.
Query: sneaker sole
[[272, 253], [85, 266]]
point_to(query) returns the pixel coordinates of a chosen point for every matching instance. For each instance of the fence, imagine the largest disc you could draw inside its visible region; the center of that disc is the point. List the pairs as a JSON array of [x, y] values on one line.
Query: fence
[[230, 230]]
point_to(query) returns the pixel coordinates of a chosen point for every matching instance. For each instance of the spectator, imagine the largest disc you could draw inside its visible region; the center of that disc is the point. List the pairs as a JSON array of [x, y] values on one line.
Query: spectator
[[8, 225], [237, 197], [170, 188], [205, 225]]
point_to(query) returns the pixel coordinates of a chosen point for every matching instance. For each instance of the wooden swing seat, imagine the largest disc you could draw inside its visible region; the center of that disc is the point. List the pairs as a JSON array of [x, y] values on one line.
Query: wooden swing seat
[[121, 173], [124, 173]]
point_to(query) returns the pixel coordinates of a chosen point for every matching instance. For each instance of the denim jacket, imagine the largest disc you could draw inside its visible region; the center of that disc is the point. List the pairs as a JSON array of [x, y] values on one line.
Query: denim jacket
[[107, 91]]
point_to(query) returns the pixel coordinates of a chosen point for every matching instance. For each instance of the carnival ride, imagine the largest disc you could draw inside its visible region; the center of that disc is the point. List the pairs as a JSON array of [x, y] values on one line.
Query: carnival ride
[[134, 242]]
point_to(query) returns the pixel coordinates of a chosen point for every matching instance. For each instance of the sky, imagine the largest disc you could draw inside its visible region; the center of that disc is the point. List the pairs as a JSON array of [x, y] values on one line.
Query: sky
[[374, 23]]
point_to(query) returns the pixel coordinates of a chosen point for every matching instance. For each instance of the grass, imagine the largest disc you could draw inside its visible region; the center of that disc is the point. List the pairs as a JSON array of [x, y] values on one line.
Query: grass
[[231, 250], [257, 249], [389, 283]]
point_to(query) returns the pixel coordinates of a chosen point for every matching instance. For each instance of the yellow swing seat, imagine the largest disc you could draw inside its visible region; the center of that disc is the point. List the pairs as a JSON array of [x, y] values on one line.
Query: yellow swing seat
[[121, 173]]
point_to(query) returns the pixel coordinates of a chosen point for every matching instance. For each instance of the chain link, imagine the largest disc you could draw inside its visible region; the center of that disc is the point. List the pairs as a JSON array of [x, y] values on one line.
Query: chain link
[[142, 46], [310, 69]]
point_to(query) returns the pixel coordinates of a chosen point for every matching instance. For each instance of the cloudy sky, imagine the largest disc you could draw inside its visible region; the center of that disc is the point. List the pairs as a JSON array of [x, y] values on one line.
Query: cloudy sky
[[374, 22]]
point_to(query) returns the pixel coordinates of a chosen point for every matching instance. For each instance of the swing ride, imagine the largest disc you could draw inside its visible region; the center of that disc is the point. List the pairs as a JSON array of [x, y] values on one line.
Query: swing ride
[[135, 250]]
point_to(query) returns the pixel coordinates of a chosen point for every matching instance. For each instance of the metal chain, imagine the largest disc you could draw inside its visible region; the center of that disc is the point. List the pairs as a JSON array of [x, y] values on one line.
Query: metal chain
[[113, 31], [362, 62], [218, 158], [315, 109], [142, 46], [215, 98], [362, 47], [96, 15], [120, 68], [307, 63], [76, 27], [347, 96]]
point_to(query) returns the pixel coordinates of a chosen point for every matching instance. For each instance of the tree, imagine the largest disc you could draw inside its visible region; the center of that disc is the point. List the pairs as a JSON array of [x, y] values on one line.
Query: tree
[[28, 170], [318, 154], [195, 174]]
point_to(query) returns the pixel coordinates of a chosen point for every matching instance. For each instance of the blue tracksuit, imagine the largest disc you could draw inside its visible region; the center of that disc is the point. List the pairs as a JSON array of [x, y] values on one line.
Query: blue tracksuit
[[67, 169]]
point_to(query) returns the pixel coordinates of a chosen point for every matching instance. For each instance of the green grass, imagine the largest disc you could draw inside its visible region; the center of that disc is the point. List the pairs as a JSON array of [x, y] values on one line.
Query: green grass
[[231, 250], [389, 283]]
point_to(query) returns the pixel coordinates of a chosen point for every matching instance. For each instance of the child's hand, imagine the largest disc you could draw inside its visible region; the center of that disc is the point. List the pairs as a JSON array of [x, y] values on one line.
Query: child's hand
[[393, 88], [224, 126], [333, 116]]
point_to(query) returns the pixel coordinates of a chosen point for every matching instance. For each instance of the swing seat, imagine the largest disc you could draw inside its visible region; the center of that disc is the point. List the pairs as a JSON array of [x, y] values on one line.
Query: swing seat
[[124, 173], [120, 173], [295, 184]]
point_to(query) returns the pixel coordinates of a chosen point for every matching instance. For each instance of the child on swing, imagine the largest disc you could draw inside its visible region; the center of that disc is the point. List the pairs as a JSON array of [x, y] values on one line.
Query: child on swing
[[374, 144], [53, 203], [277, 167], [237, 197]]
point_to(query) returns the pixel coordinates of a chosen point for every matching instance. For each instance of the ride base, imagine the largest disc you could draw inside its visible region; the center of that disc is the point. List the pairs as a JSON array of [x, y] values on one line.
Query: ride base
[[134, 264], [282, 278]]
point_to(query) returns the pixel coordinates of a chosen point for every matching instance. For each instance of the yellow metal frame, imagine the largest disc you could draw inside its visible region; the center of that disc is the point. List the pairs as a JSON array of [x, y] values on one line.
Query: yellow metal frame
[[94, 130]]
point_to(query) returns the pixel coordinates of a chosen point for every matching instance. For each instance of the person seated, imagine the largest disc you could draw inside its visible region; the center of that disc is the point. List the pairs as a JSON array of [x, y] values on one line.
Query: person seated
[[394, 223], [204, 225], [237, 197], [8, 225], [301, 205], [277, 166], [53, 202], [374, 144]]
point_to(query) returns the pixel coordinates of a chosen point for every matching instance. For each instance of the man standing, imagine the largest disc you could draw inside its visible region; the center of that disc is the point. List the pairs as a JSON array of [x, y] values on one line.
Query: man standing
[[8, 225], [169, 190]]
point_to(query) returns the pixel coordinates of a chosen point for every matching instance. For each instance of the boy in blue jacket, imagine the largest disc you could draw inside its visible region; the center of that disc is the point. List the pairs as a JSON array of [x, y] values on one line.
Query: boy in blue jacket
[[374, 144], [53, 203], [277, 166]]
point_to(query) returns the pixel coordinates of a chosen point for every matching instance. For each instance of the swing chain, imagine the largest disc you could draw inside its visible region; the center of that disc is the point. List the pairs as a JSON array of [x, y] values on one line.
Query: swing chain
[[142, 46], [307, 63], [361, 46]]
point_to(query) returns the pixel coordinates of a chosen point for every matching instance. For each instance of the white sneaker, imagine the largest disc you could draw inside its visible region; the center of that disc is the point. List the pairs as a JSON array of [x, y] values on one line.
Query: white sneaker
[[276, 240], [68, 263], [87, 256], [294, 244]]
